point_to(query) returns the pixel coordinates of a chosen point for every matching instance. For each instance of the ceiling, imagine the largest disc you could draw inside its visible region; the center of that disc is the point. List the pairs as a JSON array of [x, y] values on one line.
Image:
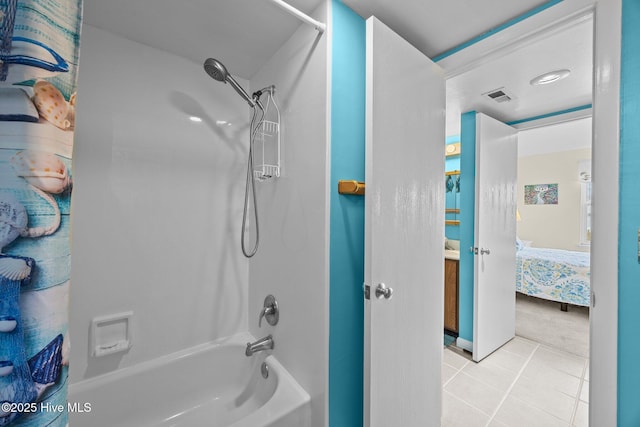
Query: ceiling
[[569, 49], [244, 34], [435, 26], [575, 135]]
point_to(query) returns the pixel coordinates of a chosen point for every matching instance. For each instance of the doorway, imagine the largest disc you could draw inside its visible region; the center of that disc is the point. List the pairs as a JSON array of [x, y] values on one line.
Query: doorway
[[555, 312], [498, 389], [606, 166]]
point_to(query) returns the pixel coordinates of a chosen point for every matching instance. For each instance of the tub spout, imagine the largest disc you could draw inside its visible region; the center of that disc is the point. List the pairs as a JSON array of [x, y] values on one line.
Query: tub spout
[[262, 344]]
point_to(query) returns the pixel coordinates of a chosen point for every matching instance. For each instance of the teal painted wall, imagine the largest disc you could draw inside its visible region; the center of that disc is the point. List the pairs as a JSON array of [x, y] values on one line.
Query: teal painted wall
[[451, 163], [467, 215], [346, 325], [347, 220], [629, 268]]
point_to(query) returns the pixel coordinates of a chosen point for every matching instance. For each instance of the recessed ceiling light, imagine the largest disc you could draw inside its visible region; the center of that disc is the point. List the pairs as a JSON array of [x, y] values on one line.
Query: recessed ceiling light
[[550, 77], [195, 119]]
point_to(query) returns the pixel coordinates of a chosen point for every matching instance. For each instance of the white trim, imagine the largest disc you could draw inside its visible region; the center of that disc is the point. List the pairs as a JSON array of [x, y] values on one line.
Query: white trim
[[548, 22], [603, 366], [366, 403], [327, 296], [585, 205], [464, 344]]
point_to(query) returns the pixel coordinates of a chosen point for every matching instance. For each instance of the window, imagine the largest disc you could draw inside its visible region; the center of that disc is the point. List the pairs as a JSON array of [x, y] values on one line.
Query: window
[[585, 202]]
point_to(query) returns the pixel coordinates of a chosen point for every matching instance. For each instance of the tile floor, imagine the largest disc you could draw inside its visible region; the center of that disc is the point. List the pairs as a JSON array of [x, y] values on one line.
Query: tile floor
[[522, 384]]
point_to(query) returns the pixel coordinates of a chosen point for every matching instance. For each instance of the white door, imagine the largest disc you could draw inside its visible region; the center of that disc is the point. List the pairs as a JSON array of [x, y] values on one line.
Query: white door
[[495, 236], [404, 232]]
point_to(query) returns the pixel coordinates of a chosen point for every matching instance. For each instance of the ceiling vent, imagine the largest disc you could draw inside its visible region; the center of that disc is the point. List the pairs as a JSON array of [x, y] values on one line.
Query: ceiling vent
[[498, 95]]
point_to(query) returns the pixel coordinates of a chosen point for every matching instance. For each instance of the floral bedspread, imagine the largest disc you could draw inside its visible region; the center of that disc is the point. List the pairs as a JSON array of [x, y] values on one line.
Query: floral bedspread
[[554, 274]]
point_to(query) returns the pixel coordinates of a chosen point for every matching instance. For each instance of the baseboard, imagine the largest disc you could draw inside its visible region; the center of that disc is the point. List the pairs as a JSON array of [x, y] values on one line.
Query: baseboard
[[464, 344]]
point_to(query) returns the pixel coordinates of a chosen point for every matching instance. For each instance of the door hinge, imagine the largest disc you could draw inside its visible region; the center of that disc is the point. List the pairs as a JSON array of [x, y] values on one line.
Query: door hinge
[[367, 291]]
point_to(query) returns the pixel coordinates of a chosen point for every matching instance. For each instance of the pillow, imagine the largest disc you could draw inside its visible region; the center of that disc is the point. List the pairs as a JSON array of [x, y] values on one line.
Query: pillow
[[15, 106]]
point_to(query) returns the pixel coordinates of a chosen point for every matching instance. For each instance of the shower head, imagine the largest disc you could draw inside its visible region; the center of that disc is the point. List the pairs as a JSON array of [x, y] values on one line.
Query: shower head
[[215, 69], [219, 72]]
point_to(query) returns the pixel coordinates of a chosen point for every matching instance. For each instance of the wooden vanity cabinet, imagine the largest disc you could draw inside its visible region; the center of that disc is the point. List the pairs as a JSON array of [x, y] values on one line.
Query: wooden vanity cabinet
[[451, 294]]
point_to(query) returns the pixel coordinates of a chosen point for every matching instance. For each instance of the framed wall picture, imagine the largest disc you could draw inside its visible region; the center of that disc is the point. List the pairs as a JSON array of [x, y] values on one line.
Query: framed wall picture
[[541, 194]]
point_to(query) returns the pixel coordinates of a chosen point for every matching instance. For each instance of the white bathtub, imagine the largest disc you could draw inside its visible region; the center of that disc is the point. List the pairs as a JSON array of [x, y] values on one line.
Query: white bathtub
[[213, 385]]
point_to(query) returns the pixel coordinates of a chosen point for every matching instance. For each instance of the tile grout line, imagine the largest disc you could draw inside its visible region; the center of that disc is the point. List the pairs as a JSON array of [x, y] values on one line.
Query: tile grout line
[[578, 397], [506, 394], [458, 371], [454, 375], [471, 405]]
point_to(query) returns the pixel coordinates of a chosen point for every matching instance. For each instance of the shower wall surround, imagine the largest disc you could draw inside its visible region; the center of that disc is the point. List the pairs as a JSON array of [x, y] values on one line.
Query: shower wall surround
[[39, 42], [158, 202], [292, 262], [158, 206]]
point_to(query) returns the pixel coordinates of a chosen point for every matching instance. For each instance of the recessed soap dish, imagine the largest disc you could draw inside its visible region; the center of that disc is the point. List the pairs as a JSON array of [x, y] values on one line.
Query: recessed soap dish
[[111, 334]]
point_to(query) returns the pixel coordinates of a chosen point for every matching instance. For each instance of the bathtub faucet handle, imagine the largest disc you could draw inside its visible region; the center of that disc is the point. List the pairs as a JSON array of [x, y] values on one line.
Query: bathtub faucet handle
[[269, 311], [263, 313]]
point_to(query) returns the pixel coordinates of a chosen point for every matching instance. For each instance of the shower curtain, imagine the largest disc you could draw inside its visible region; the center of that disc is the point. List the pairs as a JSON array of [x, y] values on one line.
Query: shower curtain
[[39, 47]]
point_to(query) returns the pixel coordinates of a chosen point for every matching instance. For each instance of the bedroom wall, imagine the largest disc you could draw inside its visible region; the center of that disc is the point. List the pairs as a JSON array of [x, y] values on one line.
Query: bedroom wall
[[552, 226]]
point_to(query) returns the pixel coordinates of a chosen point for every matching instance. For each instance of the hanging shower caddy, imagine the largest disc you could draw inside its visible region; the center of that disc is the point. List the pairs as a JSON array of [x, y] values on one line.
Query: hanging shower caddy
[[267, 142]]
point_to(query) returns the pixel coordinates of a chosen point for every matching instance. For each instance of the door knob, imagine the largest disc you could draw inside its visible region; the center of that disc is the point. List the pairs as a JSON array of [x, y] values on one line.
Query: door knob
[[485, 251], [383, 292]]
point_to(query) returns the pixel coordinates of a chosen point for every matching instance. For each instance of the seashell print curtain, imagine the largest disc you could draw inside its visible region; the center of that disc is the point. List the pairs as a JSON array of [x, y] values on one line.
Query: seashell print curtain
[[39, 47]]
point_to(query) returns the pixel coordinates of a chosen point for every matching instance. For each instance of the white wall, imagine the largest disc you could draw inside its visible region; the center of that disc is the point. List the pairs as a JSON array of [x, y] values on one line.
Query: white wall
[[547, 155], [552, 226], [564, 136], [292, 262], [157, 202]]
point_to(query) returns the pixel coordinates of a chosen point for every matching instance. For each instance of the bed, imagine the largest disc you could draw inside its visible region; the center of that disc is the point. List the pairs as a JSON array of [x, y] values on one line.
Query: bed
[[554, 274]]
